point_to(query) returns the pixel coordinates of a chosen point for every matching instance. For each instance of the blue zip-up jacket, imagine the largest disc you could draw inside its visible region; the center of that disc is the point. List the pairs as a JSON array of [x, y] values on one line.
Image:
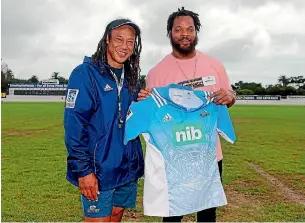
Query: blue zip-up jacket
[[93, 138]]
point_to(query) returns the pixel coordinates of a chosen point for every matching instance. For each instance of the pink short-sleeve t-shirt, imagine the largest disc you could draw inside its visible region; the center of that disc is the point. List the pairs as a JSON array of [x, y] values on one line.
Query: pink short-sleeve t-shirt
[[172, 70]]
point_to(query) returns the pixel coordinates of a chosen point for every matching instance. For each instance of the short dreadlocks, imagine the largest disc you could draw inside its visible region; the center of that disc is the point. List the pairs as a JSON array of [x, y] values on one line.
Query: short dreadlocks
[[183, 12]]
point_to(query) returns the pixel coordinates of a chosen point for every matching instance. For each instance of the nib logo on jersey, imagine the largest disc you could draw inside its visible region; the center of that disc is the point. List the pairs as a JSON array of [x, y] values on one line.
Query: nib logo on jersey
[[188, 134]]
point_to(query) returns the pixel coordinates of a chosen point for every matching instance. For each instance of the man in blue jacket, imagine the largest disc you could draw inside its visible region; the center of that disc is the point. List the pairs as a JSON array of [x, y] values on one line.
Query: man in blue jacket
[[99, 93]]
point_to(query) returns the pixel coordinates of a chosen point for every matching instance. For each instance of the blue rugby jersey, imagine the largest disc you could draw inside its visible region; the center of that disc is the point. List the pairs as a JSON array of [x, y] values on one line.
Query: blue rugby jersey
[[180, 126]]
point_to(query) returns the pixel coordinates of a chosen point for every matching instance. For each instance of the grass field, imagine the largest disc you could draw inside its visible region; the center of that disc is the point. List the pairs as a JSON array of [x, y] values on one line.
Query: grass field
[[33, 166]]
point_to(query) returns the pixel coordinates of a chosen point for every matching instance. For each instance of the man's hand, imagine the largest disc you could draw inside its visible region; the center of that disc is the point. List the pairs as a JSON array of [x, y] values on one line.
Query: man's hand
[[224, 97], [88, 186], [143, 94]]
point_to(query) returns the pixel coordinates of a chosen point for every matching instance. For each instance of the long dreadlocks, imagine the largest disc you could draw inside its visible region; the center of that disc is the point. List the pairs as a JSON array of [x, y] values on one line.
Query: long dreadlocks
[[131, 65], [183, 12]]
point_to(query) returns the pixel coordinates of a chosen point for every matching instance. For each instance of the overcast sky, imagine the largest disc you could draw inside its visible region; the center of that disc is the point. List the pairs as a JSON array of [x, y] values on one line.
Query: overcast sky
[[256, 40]]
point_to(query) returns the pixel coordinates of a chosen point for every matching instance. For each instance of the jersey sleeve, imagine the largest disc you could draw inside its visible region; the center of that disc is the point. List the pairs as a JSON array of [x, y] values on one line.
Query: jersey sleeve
[[224, 124], [137, 119]]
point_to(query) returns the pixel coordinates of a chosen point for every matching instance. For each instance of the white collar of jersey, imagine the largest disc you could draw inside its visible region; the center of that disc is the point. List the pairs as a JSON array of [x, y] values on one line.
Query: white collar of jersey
[[182, 97]]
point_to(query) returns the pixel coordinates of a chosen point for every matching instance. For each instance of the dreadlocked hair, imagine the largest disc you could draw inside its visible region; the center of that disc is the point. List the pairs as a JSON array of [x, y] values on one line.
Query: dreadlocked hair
[[183, 12], [131, 65]]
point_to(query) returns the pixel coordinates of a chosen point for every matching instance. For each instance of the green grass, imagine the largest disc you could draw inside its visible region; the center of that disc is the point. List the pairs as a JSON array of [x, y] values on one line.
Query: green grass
[[33, 158]]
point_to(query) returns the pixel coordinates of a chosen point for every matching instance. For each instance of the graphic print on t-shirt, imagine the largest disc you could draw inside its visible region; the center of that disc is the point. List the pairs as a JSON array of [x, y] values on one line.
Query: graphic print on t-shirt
[[199, 82]]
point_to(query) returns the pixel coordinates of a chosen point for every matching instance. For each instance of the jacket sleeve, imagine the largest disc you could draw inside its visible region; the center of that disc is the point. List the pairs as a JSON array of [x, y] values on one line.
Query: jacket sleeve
[[79, 106]]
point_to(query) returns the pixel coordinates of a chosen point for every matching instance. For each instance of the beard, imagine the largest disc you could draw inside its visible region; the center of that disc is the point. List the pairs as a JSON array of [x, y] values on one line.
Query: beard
[[184, 50]]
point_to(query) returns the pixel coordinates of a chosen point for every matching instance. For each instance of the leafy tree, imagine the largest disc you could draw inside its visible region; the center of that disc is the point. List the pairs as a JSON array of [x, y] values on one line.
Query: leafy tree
[[7, 76], [301, 91], [299, 80], [62, 80], [245, 92], [247, 85], [290, 91], [275, 90], [302, 87], [260, 91], [239, 85]]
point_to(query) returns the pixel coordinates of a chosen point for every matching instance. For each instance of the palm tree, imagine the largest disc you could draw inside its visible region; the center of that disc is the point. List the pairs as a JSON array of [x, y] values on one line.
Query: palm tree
[[33, 79], [55, 75], [283, 80]]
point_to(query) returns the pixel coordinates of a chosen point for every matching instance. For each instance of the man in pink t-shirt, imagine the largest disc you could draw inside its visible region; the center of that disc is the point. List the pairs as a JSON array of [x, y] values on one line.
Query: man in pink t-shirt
[[188, 66]]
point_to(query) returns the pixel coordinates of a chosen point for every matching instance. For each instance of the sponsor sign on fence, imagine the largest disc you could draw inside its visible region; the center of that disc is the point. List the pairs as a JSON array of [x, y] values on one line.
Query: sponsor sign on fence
[[295, 96], [37, 85], [258, 97]]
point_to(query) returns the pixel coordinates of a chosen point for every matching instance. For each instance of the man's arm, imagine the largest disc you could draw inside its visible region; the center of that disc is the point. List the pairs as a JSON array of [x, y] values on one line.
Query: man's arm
[[78, 110], [234, 98]]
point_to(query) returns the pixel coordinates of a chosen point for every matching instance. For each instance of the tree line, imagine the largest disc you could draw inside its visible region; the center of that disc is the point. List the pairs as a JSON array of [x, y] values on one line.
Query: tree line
[[7, 77], [294, 85]]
